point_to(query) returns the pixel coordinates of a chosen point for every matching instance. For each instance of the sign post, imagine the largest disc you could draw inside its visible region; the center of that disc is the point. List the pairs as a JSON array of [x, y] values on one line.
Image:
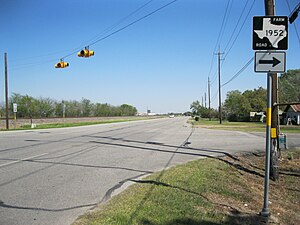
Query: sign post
[[265, 211], [15, 110], [270, 33]]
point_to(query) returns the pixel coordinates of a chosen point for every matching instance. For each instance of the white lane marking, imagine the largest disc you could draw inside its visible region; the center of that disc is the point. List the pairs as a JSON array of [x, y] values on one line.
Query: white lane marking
[[20, 160]]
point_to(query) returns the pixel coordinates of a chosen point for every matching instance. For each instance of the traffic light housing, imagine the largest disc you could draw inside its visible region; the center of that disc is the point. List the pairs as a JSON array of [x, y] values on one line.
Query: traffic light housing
[[61, 64], [85, 53]]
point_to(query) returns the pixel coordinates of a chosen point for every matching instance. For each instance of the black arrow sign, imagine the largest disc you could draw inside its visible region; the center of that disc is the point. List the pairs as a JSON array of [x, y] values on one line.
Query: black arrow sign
[[274, 61]]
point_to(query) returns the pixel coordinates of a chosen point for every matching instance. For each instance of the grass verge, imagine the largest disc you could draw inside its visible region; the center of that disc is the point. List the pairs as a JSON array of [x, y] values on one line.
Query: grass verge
[[76, 124], [240, 126], [211, 191]]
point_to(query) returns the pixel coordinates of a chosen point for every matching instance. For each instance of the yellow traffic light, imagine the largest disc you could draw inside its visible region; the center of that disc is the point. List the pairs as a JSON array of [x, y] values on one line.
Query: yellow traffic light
[[61, 64], [85, 53]]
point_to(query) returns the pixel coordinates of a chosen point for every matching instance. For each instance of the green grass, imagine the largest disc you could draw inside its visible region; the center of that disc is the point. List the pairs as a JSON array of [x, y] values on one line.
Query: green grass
[[240, 126], [290, 129], [176, 196], [203, 192], [75, 124], [60, 125]]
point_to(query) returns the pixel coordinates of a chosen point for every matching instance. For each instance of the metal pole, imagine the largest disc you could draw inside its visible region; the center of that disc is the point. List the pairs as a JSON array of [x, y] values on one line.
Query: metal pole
[[6, 91], [265, 211]]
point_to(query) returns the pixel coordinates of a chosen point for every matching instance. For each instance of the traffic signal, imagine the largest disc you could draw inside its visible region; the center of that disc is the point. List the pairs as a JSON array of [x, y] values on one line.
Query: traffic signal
[[61, 64], [85, 53]]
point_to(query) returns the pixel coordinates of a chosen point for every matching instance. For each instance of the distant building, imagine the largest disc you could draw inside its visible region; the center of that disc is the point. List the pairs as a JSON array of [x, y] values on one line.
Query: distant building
[[291, 115], [257, 116]]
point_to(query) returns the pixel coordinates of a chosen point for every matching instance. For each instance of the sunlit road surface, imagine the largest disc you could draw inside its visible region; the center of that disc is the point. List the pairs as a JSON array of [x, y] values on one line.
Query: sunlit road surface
[[53, 176]]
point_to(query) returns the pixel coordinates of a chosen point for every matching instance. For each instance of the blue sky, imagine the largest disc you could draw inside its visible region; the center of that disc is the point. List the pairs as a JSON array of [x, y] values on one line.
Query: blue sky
[[161, 62]]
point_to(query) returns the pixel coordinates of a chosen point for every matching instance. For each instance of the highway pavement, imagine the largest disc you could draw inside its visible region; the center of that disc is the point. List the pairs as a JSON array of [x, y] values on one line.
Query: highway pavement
[[52, 176]]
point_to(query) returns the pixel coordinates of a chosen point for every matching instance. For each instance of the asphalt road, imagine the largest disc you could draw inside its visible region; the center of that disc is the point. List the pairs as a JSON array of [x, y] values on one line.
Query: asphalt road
[[53, 176]]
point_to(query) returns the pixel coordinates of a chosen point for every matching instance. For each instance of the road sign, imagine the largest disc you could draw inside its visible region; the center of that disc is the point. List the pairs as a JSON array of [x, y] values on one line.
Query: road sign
[[270, 33], [15, 107], [266, 61]]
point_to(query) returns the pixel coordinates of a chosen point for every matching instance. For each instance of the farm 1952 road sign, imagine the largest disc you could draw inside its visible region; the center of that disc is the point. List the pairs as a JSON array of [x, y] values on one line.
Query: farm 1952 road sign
[[270, 33]]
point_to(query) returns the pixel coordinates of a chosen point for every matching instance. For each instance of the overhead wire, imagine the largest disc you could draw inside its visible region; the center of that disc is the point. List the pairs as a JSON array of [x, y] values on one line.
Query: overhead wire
[[238, 21], [232, 44], [110, 28], [226, 21], [218, 38], [294, 23], [98, 39], [239, 72], [222, 26], [27, 65], [124, 27], [214, 97], [214, 76], [234, 41], [238, 34]]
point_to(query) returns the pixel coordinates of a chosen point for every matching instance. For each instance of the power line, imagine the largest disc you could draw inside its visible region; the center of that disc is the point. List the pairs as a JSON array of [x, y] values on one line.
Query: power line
[[214, 97], [226, 20], [294, 23], [218, 39], [27, 65], [240, 29], [222, 26], [123, 28], [214, 78], [24, 65], [74, 51], [110, 28], [239, 72], [239, 19]]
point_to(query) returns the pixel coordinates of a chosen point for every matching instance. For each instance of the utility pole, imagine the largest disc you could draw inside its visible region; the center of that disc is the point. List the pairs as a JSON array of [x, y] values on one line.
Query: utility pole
[[209, 99], [219, 75], [205, 99], [6, 91], [270, 11]]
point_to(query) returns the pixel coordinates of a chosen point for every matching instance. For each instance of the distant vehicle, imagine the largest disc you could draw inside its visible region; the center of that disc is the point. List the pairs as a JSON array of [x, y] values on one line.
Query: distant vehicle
[[171, 116]]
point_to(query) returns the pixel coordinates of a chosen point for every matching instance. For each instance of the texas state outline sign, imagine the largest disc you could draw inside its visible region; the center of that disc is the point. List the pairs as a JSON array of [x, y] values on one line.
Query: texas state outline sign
[[270, 33]]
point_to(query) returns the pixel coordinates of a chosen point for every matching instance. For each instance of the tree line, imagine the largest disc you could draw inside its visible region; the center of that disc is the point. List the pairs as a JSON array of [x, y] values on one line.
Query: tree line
[[238, 105], [30, 107]]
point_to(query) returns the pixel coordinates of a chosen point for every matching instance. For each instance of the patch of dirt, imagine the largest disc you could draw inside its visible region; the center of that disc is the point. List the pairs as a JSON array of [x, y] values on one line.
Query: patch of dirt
[[284, 194]]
